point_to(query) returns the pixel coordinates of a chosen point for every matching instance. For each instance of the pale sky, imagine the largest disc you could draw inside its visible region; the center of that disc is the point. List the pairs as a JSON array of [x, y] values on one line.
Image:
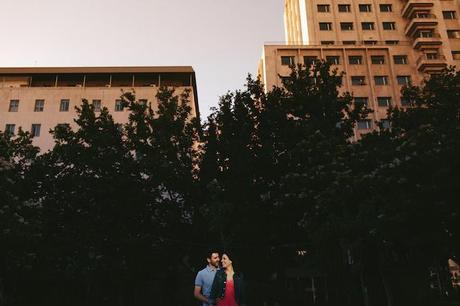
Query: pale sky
[[221, 39]]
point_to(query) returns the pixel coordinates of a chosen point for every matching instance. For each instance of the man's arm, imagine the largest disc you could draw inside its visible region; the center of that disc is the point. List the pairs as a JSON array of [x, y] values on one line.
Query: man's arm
[[199, 296]]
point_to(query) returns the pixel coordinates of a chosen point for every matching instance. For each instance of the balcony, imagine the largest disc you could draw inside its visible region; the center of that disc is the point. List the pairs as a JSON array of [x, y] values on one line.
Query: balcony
[[421, 22], [424, 41], [412, 5], [429, 63]]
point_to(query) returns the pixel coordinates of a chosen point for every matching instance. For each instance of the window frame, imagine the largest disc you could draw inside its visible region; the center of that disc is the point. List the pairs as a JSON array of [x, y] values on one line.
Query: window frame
[[327, 24], [379, 61], [372, 24], [333, 59], [365, 5], [35, 130], [39, 106], [119, 106], [344, 26], [449, 15], [392, 25], [385, 78], [407, 79], [386, 5], [327, 6], [290, 58], [359, 57], [10, 129], [13, 107], [97, 106], [66, 103], [362, 100], [358, 80], [387, 100], [347, 6], [368, 124]]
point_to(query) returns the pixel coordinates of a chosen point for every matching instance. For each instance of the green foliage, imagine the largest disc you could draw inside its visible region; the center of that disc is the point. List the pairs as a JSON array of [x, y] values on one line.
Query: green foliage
[[115, 213]]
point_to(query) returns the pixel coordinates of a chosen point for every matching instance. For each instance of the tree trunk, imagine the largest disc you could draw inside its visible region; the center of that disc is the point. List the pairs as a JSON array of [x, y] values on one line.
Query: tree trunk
[[2, 294], [364, 289], [386, 287]]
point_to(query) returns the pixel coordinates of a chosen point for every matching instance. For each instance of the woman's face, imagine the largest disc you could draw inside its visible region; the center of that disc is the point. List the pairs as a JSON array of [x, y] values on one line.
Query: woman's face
[[226, 262]]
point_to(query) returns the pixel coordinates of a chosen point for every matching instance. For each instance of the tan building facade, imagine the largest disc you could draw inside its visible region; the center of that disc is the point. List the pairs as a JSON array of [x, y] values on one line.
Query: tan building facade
[[380, 45], [38, 99]]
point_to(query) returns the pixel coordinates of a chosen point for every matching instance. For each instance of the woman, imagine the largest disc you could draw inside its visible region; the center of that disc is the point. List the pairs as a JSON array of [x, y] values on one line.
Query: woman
[[228, 286]]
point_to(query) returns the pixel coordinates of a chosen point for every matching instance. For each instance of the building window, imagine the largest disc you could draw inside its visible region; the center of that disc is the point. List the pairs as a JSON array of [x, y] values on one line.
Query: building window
[[358, 80], [364, 101], [14, 106], [35, 130], [64, 106], [403, 79], [389, 25], [453, 33], [365, 8], [386, 8], [355, 60], [370, 42], [63, 125], [456, 55], [325, 26], [309, 60], [349, 42], [392, 42], [9, 129], [425, 33], [400, 59], [346, 26], [344, 8], [378, 59], [385, 124], [364, 125], [333, 60], [39, 105], [405, 101], [119, 106], [287, 60], [449, 14], [384, 101], [367, 26], [327, 42], [323, 8], [432, 56], [381, 80], [97, 105]]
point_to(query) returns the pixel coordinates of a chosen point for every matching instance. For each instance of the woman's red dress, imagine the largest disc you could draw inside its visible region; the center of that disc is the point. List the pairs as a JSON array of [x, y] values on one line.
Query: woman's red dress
[[229, 298]]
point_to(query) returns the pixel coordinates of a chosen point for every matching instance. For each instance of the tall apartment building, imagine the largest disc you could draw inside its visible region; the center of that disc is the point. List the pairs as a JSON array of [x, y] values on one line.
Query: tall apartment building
[[380, 45], [38, 99]]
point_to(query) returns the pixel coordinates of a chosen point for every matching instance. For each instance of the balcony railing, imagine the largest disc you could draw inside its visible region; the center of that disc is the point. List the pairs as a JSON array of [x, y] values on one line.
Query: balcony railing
[[428, 35], [431, 58], [420, 20], [426, 40], [410, 5]]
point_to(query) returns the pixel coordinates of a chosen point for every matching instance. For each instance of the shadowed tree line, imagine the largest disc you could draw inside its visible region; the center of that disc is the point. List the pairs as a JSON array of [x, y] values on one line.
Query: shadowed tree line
[[123, 214]]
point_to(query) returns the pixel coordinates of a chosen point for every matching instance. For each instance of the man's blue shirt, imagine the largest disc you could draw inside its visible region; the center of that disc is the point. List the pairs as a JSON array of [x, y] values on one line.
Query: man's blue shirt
[[204, 279]]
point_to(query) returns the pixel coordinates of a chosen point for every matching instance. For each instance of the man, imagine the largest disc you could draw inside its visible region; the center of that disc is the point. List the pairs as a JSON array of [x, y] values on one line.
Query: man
[[205, 277]]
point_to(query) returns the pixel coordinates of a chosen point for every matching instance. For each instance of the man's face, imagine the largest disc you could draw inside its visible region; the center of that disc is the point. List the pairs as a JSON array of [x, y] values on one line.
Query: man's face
[[214, 260]]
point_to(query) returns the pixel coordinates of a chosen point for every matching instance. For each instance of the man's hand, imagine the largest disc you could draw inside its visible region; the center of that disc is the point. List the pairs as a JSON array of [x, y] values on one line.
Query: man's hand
[[197, 294]]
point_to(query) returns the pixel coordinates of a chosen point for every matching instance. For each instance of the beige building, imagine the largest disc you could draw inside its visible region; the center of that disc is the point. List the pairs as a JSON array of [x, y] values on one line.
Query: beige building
[[380, 45], [38, 99]]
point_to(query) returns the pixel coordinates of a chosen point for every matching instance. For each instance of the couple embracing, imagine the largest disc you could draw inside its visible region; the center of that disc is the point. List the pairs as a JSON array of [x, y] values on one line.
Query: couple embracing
[[218, 284]]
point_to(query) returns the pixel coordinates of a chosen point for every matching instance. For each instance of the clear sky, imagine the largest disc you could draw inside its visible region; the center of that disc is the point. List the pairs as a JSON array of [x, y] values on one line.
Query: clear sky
[[221, 39]]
